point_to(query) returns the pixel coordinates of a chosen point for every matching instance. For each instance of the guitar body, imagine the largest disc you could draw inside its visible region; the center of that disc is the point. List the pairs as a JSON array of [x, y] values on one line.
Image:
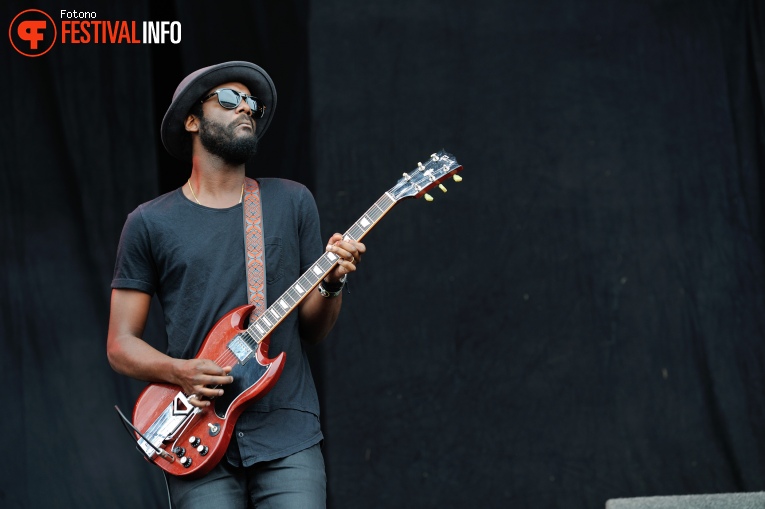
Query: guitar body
[[167, 421]]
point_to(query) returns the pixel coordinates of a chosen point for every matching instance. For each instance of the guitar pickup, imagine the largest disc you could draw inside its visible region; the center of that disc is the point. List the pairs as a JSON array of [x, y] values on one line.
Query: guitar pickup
[[240, 349]]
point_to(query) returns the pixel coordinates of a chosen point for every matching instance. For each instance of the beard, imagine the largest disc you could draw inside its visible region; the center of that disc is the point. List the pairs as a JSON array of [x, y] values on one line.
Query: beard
[[223, 142]]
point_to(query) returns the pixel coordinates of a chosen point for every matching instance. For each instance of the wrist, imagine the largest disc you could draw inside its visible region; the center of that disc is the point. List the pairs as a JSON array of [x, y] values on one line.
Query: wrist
[[175, 369], [328, 289], [327, 283]]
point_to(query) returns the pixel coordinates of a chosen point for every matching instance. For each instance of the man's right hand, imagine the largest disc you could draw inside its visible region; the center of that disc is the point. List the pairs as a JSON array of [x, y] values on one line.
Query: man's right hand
[[201, 379]]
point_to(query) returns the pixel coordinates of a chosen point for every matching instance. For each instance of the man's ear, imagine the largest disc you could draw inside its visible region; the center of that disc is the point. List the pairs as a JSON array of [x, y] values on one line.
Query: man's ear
[[192, 124]]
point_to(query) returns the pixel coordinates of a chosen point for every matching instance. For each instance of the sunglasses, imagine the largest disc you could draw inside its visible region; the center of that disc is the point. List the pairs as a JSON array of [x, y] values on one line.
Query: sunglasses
[[230, 99]]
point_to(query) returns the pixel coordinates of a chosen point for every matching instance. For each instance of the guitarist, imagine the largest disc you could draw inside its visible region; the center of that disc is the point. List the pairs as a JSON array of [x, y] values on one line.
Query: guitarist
[[187, 247]]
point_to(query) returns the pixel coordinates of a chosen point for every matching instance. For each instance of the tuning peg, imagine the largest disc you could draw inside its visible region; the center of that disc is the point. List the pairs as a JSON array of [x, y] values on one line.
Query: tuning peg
[[428, 197], [441, 187], [457, 178]]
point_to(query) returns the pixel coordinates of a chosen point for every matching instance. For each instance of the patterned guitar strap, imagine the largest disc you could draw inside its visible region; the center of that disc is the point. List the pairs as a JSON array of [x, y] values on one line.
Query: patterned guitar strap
[[253, 248]]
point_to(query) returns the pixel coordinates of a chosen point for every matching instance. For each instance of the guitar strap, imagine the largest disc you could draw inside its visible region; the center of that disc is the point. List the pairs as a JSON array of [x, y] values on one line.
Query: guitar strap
[[254, 248]]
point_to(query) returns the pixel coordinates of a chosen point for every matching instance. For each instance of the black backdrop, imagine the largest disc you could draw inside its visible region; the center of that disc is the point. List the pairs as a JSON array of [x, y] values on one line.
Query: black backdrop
[[582, 318]]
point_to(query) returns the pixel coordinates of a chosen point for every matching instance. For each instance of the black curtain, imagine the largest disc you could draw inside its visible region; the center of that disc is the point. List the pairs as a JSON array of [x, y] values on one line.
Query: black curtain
[[581, 319]]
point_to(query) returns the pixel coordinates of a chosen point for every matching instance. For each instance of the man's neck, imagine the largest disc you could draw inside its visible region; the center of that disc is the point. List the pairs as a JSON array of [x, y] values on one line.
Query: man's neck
[[214, 183]]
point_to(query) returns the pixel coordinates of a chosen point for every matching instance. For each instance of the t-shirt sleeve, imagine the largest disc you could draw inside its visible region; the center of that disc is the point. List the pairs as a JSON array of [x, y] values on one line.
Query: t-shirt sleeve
[[135, 268], [311, 244]]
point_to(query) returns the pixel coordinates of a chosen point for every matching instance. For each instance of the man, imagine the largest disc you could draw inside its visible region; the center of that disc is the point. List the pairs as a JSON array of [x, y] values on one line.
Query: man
[[188, 247]]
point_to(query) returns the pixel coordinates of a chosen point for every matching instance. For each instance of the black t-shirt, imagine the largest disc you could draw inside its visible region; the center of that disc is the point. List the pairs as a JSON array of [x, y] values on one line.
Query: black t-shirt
[[193, 258]]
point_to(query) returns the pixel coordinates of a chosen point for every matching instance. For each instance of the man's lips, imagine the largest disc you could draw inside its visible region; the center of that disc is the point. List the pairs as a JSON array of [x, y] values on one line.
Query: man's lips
[[245, 121]]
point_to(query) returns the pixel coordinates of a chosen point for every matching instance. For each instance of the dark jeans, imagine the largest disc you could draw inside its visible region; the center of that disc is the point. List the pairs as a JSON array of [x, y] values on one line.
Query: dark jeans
[[294, 482]]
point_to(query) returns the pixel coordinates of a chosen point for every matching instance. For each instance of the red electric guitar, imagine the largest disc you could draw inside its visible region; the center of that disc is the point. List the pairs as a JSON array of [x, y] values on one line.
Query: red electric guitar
[[185, 440]]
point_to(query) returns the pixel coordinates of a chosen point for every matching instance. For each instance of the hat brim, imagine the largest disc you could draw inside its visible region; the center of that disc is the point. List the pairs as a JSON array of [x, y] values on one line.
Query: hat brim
[[176, 139]]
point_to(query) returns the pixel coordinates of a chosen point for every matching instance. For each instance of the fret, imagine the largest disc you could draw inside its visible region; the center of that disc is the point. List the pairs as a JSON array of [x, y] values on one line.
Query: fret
[[329, 258], [386, 198], [247, 338], [355, 230], [305, 280], [359, 229]]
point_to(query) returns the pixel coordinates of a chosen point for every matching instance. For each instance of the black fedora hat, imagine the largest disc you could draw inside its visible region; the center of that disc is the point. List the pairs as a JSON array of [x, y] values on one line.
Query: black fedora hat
[[175, 138]]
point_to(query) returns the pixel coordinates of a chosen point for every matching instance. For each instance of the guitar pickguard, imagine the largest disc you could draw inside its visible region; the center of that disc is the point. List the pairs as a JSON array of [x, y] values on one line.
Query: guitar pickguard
[[245, 376]]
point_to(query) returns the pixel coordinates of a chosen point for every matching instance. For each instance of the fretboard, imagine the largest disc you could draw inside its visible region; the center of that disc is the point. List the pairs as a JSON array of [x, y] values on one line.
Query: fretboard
[[295, 294]]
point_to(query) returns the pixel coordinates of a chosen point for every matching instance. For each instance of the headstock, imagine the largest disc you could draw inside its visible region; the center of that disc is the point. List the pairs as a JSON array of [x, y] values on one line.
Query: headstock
[[426, 176]]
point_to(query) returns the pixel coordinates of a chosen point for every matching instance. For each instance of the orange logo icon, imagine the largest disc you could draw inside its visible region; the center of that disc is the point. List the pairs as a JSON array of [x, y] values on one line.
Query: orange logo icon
[[32, 33]]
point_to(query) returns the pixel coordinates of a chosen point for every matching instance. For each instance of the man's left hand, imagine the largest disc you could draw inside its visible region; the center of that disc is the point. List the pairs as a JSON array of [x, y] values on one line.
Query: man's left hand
[[350, 253]]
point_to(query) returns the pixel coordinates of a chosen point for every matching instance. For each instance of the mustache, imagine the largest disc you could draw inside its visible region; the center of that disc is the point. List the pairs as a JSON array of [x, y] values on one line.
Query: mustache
[[241, 120]]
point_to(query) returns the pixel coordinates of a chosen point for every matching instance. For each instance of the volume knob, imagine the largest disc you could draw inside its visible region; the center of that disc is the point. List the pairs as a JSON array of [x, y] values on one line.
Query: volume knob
[[194, 441], [186, 461]]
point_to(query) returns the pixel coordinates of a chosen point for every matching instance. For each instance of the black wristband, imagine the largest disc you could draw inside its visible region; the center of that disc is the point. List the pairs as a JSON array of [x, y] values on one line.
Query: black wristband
[[333, 287]]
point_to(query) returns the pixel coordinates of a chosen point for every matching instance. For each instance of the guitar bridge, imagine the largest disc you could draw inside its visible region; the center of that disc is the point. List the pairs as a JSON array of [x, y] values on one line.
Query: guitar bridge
[[168, 423]]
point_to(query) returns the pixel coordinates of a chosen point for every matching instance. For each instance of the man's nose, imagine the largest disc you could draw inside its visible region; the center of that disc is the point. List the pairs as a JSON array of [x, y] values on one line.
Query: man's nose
[[243, 106]]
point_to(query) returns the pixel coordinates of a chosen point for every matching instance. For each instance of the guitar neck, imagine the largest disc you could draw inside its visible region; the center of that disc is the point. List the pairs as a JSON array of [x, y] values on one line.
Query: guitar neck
[[411, 185], [299, 290]]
